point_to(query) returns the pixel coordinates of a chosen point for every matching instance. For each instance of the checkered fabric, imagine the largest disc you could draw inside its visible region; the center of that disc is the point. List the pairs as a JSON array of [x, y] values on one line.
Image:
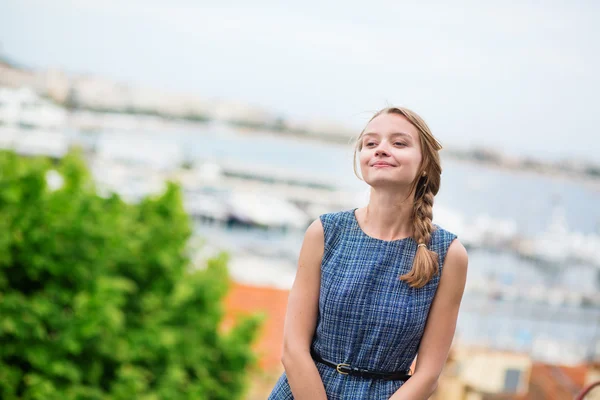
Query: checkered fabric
[[367, 317]]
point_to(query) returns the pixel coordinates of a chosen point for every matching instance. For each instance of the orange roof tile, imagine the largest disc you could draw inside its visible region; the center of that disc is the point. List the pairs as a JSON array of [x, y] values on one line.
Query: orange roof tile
[[554, 382], [247, 299]]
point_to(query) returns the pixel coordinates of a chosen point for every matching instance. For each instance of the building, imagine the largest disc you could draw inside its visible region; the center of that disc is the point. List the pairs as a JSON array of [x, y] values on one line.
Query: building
[[484, 374]]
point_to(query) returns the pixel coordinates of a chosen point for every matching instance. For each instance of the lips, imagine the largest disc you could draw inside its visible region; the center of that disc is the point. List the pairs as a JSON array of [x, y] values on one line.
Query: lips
[[382, 164]]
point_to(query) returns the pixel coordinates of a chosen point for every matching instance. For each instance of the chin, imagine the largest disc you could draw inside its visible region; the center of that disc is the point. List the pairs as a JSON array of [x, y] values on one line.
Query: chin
[[386, 182]]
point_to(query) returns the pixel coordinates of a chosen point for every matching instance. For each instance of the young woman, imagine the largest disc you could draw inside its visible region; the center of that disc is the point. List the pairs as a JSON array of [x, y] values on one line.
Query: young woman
[[379, 284]]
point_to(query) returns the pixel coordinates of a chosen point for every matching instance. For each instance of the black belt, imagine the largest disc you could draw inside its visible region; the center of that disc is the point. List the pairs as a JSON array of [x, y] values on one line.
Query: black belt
[[346, 369]]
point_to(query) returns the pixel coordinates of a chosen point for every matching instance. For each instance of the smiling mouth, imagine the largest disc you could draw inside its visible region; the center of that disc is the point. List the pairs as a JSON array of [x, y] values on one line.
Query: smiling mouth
[[381, 165]]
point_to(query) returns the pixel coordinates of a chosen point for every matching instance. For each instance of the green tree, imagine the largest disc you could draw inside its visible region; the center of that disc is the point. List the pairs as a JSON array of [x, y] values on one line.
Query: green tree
[[98, 298]]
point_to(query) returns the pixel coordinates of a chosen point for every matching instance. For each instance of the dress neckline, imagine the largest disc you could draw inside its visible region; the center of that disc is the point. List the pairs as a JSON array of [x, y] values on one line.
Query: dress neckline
[[363, 233]]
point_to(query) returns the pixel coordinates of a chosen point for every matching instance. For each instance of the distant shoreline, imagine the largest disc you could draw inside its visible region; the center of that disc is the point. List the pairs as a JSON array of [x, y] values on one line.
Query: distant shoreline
[[473, 157], [97, 95]]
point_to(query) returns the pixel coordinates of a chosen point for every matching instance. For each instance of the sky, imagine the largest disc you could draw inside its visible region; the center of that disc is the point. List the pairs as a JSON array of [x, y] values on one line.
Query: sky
[[519, 77]]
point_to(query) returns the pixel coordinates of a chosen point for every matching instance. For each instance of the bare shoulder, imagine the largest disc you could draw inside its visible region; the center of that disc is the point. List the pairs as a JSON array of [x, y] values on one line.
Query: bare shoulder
[[315, 231], [457, 255], [456, 263], [313, 246]]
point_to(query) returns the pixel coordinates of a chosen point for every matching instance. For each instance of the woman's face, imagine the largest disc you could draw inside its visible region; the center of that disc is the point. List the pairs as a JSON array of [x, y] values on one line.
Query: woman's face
[[391, 151]]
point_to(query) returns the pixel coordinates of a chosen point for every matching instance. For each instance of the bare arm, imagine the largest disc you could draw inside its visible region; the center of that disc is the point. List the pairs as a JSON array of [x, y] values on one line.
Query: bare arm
[[440, 328], [301, 318]]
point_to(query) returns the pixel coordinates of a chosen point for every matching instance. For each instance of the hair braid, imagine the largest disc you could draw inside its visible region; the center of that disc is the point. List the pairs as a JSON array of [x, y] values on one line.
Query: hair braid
[[425, 264]]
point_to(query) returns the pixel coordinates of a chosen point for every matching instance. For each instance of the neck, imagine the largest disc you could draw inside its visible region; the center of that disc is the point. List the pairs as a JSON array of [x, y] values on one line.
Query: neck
[[388, 215]]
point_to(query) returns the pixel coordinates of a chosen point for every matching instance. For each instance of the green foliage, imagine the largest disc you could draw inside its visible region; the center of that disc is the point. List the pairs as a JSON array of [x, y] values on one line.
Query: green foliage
[[97, 297]]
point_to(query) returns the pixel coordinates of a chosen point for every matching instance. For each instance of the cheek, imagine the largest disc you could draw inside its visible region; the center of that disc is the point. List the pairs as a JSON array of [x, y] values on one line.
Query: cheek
[[363, 162], [363, 158], [410, 158]]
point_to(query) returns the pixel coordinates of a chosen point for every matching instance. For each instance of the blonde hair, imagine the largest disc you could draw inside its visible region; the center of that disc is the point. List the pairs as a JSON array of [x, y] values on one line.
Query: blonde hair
[[425, 186]]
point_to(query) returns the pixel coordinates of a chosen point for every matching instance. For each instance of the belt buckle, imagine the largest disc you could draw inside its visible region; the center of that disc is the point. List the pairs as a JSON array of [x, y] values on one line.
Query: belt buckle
[[338, 368]]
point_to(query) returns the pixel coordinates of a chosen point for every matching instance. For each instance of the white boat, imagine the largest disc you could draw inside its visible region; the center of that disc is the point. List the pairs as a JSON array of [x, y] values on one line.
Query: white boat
[[23, 107]]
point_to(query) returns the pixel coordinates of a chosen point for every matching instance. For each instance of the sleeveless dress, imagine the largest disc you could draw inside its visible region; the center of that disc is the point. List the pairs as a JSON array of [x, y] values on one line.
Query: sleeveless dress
[[367, 317]]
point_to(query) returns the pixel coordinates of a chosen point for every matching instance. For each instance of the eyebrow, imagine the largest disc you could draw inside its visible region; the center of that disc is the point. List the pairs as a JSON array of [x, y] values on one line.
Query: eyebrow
[[393, 134]]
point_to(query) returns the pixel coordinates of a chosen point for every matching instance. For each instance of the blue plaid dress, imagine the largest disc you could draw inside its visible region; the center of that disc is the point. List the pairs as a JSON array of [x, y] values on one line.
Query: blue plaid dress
[[367, 317]]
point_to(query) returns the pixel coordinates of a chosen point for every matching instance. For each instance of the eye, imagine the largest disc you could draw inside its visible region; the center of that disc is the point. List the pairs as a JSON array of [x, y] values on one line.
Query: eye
[[399, 144], [370, 144]]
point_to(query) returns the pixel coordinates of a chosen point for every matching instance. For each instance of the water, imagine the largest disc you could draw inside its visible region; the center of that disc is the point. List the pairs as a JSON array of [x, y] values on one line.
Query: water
[[469, 190]]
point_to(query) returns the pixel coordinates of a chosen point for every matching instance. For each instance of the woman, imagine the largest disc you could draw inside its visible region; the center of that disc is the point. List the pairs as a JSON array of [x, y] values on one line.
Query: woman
[[378, 284]]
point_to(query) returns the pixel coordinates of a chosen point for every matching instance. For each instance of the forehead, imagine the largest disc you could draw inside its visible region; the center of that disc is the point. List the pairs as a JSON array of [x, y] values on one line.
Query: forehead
[[387, 124]]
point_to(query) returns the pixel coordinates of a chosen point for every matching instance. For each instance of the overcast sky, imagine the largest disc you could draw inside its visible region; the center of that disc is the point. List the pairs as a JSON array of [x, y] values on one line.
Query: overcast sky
[[519, 76]]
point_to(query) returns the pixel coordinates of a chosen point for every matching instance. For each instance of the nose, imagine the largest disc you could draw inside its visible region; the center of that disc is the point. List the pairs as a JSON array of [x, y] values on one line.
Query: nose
[[380, 152]]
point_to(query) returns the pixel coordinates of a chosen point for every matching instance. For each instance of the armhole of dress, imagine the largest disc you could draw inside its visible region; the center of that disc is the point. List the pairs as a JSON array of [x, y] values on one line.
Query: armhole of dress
[[445, 241], [330, 224], [326, 233]]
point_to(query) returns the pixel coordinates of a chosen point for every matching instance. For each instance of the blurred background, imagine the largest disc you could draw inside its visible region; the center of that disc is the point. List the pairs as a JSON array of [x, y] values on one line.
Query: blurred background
[[252, 109]]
